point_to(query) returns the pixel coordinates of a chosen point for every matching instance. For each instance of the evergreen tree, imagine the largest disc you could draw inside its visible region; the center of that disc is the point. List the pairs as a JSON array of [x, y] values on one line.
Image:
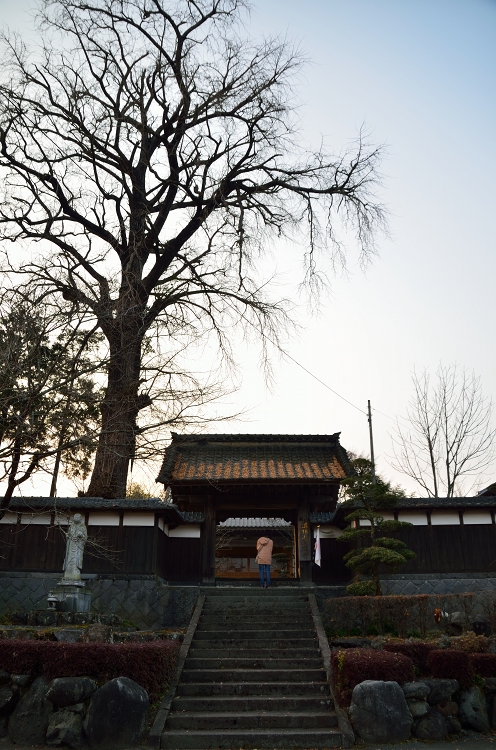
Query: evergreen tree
[[369, 501]]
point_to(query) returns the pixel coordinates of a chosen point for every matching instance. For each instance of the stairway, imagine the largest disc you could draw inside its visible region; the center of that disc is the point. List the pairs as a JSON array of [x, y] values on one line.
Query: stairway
[[254, 676]]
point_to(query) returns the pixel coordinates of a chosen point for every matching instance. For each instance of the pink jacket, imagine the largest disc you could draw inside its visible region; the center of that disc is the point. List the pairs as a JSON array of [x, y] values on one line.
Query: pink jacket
[[264, 549]]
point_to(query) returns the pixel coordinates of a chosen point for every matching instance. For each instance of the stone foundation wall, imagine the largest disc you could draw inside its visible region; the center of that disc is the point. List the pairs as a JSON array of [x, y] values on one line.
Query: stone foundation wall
[[435, 583], [147, 601]]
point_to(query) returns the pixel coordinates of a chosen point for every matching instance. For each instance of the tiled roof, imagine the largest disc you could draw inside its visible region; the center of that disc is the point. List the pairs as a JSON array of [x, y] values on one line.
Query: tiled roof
[[259, 458], [170, 511], [255, 523], [427, 503], [446, 502]]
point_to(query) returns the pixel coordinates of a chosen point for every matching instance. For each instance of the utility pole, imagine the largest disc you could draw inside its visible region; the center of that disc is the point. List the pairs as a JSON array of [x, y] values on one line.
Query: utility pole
[[372, 459]]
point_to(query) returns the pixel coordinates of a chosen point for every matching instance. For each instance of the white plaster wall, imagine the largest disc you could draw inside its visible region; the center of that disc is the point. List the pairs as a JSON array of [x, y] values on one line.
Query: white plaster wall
[[138, 519], [188, 530], [418, 518], [103, 518], [477, 516], [445, 518]]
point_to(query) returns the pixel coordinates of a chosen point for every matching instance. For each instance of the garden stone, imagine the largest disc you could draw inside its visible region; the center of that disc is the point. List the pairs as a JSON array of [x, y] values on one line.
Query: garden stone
[[77, 708], [67, 635], [21, 680], [454, 726], [8, 699], [473, 711], [46, 619], [417, 690], [441, 690], [449, 709], [65, 728], [379, 712], [418, 708], [4, 722], [29, 722], [490, 684], [97, 633], [116, 716], [65, 691], [4, 678], [481, 626], [431, 727], [81, 618], [491, 710]]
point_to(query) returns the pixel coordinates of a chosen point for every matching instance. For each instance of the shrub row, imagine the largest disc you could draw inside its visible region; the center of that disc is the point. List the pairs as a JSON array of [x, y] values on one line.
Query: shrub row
[[151, 665], [353, 666], [418, 652], [401, 615]]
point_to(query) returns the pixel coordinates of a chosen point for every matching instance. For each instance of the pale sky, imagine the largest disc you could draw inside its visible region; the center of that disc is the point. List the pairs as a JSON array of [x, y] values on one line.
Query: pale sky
[[422, 77]]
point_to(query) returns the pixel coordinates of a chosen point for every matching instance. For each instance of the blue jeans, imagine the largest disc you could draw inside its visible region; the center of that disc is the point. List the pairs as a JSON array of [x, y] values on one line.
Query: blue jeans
[[264, 570]]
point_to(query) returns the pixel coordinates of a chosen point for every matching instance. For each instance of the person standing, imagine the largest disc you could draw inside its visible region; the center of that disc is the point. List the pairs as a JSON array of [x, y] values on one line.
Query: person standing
[[264, 559]]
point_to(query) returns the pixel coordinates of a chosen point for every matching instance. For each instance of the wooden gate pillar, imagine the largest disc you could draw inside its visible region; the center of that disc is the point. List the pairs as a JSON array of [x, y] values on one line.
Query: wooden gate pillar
[[208, 533], [304, 544]]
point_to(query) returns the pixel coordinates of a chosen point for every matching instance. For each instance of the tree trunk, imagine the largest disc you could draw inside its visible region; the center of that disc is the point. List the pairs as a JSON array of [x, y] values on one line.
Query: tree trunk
[[120, 407]]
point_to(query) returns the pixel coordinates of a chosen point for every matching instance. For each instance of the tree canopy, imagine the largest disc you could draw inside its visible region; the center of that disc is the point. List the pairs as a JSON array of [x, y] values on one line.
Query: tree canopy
[[151, 151]]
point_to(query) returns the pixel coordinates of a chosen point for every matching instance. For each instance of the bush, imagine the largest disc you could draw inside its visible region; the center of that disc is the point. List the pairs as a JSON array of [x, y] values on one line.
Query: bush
[[151, 665], [451, 664], [417, 652], [399, 614], [361, 588], [484, 664], [353, 666]]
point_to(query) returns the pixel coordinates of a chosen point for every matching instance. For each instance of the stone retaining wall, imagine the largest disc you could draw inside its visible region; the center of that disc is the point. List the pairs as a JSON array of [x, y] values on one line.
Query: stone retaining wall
[[146, 601], [433, 583]]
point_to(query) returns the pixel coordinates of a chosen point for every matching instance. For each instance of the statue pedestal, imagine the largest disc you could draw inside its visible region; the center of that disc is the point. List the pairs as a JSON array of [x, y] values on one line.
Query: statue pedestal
[[72, 597]]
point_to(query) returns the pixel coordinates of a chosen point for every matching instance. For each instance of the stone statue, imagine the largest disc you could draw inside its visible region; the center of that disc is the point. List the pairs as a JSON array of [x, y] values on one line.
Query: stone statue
[[76, 539]]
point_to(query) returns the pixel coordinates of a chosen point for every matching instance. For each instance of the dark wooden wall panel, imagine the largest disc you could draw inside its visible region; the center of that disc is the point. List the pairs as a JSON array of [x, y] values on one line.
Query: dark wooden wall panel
[[332, 569], [179, 559], [451, 549], [42, 548]]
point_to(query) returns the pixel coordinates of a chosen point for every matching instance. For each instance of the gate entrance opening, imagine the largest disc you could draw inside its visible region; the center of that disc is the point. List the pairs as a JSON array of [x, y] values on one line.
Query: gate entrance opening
[[235, 548]]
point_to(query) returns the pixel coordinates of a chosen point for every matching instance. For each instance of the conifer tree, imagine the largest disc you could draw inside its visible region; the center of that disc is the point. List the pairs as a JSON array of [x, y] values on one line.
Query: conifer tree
[[370, 500]]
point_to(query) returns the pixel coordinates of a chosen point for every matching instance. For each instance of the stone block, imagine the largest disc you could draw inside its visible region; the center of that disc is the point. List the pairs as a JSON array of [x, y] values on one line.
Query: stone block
[[4, 678], [379, 712], [66, 691], [116, 717], [441, 690], [432, 727], [473, 710], [29, 721], [418, 708], [65, 728], [418, 690]]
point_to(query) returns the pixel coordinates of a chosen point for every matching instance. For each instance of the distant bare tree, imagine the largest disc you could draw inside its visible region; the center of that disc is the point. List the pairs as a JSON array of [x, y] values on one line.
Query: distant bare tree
[[449, 436], [154, 153]]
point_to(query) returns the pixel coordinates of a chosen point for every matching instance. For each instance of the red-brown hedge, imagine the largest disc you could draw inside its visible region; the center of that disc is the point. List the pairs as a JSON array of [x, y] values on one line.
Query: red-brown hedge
[[151, 665], [418, 653], [484, 664], [353, 666], [451, 664]]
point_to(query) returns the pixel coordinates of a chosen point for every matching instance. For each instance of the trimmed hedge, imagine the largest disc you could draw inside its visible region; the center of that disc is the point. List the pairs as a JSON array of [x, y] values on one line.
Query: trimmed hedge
[[151, 665], [417, 652], [451, 664], [400, 615], [484, 664], [353, 666]]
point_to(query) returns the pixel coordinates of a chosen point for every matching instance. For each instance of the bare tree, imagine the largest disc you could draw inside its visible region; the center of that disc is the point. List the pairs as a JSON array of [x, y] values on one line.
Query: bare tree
[[155, 153], [449, 436]]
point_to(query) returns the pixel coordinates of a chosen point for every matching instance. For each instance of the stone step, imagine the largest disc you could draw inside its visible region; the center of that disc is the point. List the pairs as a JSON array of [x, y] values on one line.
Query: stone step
[[286, 592], [248, 653], [259, 689], [238, 704], [259, 643], [192, 720], [250, 738], [245, 635], [262, 662], [254, 627], [265, 600], [252, 675], [263, 621]]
